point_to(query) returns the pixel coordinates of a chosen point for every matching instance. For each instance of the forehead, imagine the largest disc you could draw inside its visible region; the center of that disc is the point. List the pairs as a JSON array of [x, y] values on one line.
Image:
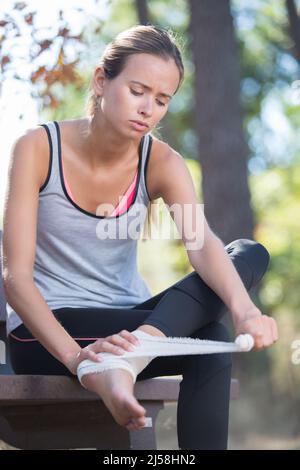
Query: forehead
[[152, 70]]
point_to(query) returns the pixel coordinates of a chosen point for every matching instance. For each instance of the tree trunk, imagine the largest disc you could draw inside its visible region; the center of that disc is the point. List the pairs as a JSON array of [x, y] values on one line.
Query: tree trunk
[[142, 11], [218, 120]]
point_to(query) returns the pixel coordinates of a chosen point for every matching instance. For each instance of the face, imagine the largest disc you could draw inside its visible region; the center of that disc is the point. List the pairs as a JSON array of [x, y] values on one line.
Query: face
[[138, 93]]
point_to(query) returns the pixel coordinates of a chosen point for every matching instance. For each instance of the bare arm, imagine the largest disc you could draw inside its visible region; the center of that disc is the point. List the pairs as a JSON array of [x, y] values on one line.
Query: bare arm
[[19, 240], [207, 254]]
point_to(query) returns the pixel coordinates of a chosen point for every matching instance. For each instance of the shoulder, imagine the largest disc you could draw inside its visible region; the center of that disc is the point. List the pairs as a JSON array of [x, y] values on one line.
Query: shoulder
[[33, 137], [167, 166], [32, 148], [165, 157]]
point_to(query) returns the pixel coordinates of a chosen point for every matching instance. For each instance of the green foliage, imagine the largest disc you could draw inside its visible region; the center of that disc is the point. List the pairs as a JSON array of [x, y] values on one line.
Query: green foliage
[[275, 196]]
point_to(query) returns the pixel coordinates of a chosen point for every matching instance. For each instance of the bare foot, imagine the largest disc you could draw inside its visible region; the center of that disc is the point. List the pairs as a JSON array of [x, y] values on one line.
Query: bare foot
[[115, 387]]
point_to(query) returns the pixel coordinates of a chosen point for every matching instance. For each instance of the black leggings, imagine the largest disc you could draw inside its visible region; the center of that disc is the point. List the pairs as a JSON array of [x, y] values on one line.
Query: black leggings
[[187, 308]]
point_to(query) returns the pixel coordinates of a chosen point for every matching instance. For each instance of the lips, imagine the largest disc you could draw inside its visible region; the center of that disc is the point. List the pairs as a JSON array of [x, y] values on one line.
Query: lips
[[140, 123]]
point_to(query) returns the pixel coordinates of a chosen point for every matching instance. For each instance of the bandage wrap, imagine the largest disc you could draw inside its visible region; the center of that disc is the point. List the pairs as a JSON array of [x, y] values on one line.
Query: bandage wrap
[[153, 346], [133, 365]]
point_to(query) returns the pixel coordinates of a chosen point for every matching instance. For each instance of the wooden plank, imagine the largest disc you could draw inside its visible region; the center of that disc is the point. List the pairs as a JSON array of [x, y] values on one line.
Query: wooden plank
[[30, 389], [38, 389]]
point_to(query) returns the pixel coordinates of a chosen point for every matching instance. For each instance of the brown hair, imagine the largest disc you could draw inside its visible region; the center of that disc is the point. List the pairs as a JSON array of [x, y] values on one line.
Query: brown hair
[[146, 39]]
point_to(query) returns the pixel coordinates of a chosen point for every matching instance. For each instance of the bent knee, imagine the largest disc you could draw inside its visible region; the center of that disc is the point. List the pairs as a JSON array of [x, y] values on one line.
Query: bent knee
[[253, 253]]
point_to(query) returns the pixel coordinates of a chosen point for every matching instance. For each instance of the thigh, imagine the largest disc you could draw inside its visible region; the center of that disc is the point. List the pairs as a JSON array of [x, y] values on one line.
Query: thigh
[[151, 303], [250, 260], [31, 358], [85, 326], [93, 323]]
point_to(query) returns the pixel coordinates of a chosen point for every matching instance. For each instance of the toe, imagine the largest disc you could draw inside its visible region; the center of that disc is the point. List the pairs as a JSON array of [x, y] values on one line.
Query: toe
[[131, 426], [141, 421]]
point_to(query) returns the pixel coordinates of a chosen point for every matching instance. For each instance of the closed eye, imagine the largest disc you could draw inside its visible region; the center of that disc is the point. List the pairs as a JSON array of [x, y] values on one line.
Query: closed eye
[[140, 94]]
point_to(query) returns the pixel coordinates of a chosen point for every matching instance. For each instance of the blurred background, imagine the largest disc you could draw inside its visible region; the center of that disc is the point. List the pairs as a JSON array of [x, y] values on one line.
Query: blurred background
[[235, 120]]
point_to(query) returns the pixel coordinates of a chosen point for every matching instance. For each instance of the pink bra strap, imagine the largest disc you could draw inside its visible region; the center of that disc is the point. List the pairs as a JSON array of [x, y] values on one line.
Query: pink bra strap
[[124, 203], [126, 200]]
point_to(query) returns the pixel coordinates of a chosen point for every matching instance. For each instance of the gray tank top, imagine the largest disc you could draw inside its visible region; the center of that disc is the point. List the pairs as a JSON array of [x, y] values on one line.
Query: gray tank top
[[83, 259]]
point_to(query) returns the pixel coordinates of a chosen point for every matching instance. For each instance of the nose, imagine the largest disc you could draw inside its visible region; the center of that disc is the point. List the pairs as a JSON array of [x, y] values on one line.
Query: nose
[[147, 108]]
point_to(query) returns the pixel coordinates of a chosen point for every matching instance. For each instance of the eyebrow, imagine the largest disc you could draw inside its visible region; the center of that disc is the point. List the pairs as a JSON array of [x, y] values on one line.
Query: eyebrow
[[149, 88]]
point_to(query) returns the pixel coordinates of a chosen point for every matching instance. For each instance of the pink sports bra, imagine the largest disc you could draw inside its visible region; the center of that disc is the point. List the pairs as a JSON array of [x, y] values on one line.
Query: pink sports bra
[[124, 203]]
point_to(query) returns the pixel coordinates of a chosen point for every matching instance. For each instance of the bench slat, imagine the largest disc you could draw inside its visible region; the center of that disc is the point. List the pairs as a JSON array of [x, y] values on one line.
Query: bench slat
[[34, 389], [16, 389]]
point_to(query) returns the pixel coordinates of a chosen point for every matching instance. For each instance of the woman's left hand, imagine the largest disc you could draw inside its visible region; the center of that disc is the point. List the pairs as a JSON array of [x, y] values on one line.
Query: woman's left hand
[[261, 327]]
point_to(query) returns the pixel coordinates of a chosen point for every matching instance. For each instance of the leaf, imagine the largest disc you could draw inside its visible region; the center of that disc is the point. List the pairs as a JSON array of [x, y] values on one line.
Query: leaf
[[5, 60], [37, 74]]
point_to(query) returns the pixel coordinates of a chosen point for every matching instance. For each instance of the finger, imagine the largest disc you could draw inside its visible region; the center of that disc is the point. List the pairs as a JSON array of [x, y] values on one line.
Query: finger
[[104, 346], [131, 426], [114, 340], [122, 342], [258, 337], [264, 335], [130, 337], [135, 424], [258, 345], [261, 332], [111, 344], [269, 338], [92, 355], [267, 331], [112, 348], [257, 328]]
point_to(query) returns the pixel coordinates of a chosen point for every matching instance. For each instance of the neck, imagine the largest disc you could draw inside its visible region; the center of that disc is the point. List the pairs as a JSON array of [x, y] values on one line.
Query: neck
[[106, 151]]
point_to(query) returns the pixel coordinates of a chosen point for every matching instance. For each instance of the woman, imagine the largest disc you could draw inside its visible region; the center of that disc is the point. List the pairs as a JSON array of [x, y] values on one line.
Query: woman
[[74, 292]]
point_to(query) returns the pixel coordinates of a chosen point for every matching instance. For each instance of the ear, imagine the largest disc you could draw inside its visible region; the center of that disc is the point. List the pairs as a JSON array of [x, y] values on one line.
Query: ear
[[98, 81]]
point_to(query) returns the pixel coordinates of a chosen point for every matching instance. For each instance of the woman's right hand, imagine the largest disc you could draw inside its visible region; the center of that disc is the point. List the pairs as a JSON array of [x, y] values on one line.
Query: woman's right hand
[[116, 344]]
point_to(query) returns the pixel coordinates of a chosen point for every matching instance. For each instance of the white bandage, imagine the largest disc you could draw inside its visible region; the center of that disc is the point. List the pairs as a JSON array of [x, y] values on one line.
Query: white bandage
[[244, 342], [133, 365], [154, 346]]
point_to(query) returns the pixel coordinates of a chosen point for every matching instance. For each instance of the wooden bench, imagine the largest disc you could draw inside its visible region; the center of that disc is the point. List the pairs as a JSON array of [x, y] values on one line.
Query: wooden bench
[[56, 412]]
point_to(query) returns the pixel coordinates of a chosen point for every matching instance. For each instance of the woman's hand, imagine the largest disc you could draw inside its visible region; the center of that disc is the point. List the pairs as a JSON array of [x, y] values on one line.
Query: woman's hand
[[116, 344], [261, 327]]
